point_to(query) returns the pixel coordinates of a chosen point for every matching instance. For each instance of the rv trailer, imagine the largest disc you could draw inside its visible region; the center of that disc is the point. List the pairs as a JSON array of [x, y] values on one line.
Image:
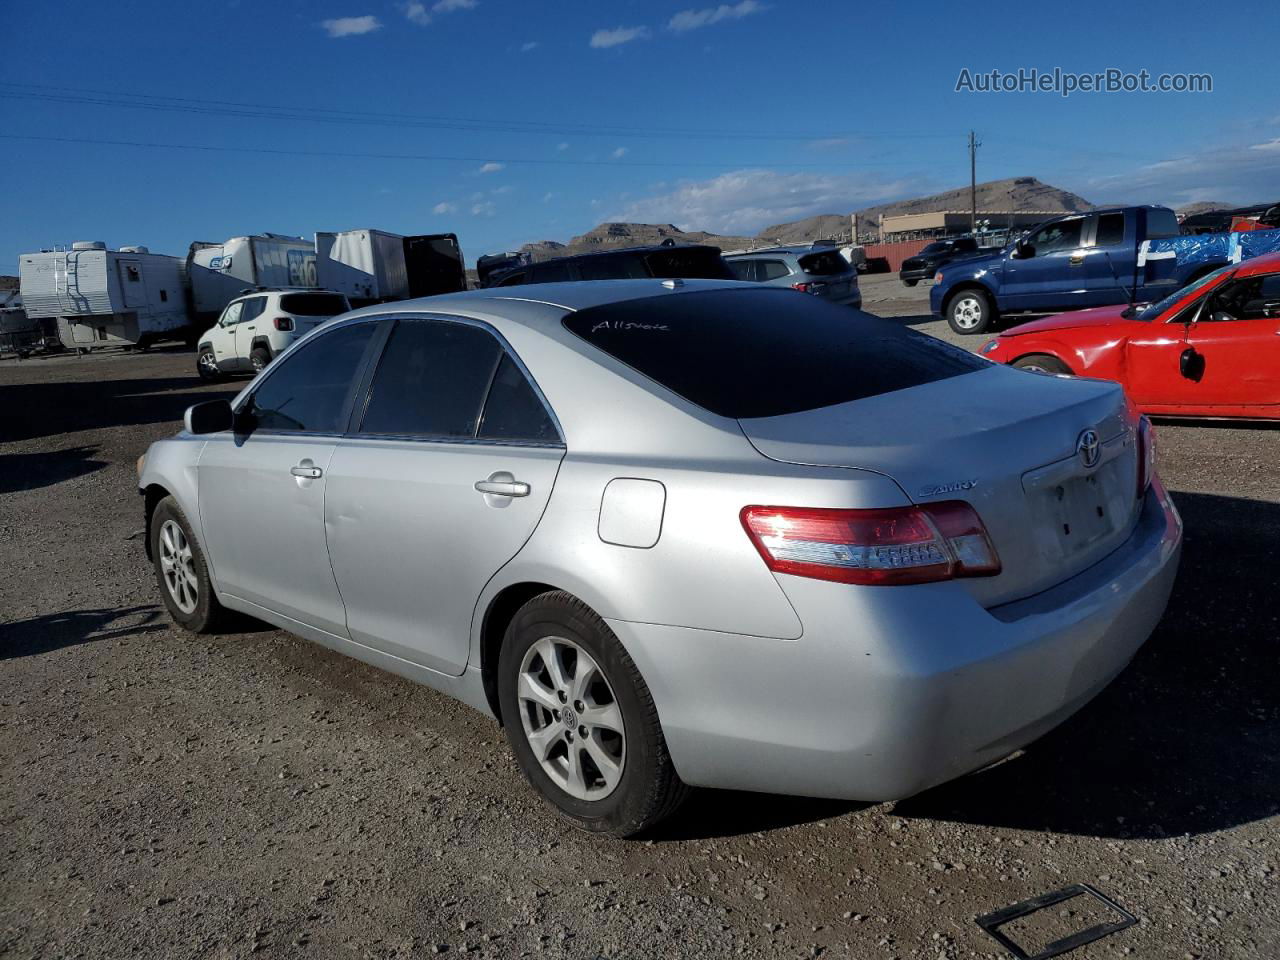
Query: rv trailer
[[374, 266], [217, 273], [102, 297]]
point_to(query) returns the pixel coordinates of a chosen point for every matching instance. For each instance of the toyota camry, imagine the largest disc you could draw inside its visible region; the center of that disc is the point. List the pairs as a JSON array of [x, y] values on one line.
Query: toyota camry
[[680, 533]]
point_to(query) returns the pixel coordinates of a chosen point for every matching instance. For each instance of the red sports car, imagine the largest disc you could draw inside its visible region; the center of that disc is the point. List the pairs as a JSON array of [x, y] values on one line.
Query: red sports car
[[1211, 350]]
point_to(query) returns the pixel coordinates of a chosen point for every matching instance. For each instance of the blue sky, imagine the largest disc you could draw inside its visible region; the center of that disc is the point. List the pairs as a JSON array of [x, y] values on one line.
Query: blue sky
[[508, 121]]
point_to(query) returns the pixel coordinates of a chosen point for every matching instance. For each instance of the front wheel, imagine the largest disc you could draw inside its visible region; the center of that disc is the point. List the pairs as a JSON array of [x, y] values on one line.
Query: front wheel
[[207, 366], [181, 570], [1041, 363], [581, 721], [970, 311]]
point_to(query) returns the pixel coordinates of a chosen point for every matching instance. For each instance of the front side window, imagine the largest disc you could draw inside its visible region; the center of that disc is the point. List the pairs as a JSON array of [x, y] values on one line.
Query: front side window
[[452, 381], [231, 315], [1251, 298], [742, 269], [310, 390], [1064, 235]]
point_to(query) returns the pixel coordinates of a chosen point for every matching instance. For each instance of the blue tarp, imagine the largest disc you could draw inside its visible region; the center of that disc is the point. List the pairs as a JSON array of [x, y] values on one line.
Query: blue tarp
[[1228, 247]]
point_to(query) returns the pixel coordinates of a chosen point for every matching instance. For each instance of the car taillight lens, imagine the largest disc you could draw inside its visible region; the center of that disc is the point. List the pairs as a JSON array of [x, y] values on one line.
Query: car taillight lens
[[897, 545], [1146, 456], [802, 287], [284, 323]]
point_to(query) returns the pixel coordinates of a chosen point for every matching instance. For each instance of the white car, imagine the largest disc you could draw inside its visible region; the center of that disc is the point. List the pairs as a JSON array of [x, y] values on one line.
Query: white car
[[253, 329]]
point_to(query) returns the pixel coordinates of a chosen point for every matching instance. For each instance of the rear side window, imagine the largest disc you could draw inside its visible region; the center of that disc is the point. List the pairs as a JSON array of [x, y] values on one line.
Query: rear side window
[[1162, 222], [310, 389], [771, 270], [688, 263], [313, 304], [432, 380], [513, 411], [1110, 230], [825, 264], [252, 308], [623, 266], [760, 353]]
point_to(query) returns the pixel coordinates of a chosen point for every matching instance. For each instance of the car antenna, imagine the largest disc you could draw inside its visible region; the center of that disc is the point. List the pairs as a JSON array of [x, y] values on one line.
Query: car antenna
[[1131, 294]]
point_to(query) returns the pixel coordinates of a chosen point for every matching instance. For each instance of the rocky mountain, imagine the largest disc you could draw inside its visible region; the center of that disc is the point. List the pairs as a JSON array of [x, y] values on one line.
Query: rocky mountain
[[1204, 206], [1015, 193]]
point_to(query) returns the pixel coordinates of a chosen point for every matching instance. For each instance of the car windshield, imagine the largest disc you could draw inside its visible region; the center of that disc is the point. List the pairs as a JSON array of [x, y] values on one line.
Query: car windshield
[[1150, 313], [938, 246], [314, 304], [766, 352]]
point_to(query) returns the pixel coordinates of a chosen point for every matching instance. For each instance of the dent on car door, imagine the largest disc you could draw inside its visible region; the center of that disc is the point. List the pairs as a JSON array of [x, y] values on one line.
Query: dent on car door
[[262, 486], [445, 481]]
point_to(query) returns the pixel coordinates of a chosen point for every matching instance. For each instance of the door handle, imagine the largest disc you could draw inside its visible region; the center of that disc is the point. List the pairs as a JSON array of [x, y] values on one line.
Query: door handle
[[1076, 259], [308, 472], [252, 328], [503, 488]]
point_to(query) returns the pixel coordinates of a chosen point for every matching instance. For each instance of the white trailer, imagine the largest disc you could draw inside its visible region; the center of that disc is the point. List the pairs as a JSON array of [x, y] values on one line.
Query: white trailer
[[374, 266], [102, 297], [220, 272]]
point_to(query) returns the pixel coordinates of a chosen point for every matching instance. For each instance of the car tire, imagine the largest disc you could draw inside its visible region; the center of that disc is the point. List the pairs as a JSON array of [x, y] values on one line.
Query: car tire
[[207, 366], [559, 659], [910, 283], [1041, 363], [259, 357], [181, 570], [970, 312]]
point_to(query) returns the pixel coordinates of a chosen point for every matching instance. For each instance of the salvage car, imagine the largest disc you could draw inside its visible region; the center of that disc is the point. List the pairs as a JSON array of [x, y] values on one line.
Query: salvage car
[[680, 533], [1211, 349], [935, 255]]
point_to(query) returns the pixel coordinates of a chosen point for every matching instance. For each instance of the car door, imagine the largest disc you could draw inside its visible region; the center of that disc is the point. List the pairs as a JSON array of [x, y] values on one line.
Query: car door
[[262, 486], [247, 329], [1108, 261], [223, 338], [443, 483], [1053, 275], [1237, 346]]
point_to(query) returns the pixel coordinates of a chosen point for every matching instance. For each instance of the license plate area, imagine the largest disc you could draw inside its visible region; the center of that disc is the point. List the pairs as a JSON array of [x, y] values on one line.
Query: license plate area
[[1076, 510]]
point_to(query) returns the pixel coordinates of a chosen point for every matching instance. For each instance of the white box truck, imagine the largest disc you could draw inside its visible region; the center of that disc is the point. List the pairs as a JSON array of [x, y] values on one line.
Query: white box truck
[[374, 266], [102, 297], [219, 272]]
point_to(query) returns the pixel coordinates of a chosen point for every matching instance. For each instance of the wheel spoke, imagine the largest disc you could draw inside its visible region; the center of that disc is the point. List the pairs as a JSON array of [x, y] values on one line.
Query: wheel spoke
[[531, 689], [609, 768], [166, 538], [606, 715], [543, 741], [585, 673], [546, 648], [574, 781]]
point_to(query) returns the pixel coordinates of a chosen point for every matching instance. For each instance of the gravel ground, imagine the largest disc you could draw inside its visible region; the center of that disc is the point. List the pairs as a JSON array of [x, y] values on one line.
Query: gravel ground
[[171, 796]]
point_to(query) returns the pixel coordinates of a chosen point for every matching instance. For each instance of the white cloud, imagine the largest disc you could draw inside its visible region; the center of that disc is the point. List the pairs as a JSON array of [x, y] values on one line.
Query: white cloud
[[1232, 173], [416, 12], [1272, 145], [448, 6], [351, 26], [499, 191], [693, 19], [531, 45], [562, 147], [603, 39], [491, 167], [548, 197], [619, 153], [444, 206], [745, 201], [478, 195], [485, 209]]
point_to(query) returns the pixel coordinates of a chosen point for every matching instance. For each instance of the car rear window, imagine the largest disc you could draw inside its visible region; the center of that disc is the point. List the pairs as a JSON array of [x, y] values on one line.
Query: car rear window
[[688, 263], [313, 304], [762, 353], [825, 264]]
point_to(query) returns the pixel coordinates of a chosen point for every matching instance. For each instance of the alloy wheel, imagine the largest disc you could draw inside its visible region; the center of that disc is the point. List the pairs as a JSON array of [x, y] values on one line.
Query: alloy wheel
[[208, 363], [178, 566], [571, 719], [967, 312]]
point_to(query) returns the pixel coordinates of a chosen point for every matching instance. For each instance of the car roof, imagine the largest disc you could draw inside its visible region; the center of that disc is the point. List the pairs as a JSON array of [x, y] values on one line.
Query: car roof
[[795, 250], [1264, 263]]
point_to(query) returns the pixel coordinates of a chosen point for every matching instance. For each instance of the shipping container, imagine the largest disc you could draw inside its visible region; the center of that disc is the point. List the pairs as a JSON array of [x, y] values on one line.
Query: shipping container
[[374, 266], [219, 272]]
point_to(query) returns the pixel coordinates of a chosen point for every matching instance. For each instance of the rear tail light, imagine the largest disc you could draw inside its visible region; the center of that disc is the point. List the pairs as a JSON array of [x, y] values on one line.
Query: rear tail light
[[284, 323], [919, 544], [802, 287], [808, 286], [1146, 456]]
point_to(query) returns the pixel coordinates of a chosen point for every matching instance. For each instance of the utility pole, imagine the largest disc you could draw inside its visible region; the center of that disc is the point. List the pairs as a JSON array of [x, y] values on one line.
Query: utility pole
[[973, 182]]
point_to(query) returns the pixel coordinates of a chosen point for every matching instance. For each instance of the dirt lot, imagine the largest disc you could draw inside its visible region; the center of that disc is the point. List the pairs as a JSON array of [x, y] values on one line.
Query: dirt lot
[[168, 796]]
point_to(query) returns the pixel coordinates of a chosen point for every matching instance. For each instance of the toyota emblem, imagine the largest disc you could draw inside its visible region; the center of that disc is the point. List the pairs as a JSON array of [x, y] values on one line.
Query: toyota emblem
[[1089, 448]]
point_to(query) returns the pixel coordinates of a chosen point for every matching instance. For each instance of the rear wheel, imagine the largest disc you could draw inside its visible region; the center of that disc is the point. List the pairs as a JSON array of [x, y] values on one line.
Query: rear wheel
[[1041, 363], [259, 358], [581, 721], [181, 570], [910, 283], [970, 311]]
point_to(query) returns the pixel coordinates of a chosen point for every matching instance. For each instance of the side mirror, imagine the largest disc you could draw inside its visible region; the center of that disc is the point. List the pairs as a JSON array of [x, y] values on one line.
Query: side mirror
[[212, 416], [1191, 364]]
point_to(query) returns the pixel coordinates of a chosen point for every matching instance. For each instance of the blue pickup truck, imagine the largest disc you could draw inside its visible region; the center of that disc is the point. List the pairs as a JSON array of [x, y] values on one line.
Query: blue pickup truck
[[1079, 260]]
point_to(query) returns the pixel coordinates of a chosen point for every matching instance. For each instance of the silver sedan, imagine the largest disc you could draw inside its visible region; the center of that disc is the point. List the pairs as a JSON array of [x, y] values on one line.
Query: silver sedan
[[680, 533]]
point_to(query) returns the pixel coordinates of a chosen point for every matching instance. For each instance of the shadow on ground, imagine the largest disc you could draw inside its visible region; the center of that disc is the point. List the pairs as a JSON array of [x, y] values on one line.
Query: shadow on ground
[[1187, 740], [30, 471], [57, 631]]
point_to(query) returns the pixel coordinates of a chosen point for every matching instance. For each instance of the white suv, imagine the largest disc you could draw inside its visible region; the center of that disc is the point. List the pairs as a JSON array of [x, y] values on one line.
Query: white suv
[[254, 328]]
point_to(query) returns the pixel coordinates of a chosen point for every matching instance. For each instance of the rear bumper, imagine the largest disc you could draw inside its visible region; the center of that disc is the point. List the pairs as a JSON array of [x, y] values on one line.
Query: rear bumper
[[892, 690]]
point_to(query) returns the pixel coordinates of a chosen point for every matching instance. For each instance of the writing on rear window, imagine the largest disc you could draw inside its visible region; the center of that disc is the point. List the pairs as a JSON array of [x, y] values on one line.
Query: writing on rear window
[[627, 325]]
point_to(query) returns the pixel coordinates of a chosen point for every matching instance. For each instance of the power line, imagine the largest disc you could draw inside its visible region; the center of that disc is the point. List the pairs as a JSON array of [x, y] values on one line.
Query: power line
[[340, 154], [268, 111]]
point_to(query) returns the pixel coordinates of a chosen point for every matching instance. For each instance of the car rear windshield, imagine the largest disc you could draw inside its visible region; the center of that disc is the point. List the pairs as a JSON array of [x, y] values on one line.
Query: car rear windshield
[[763, 353], [313, 304], [824, 264], [688, 263]]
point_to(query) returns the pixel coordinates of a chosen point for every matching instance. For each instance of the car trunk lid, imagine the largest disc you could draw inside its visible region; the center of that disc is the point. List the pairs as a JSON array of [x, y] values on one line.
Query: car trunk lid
[[1005, 441]]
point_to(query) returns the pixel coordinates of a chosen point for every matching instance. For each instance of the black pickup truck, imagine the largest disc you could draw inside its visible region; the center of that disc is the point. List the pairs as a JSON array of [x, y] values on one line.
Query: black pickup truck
[[926, 263]]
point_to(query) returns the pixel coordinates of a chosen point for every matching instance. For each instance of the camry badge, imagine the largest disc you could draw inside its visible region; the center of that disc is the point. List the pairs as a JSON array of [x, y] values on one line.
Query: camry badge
[[1089, 448], [936, 489]]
